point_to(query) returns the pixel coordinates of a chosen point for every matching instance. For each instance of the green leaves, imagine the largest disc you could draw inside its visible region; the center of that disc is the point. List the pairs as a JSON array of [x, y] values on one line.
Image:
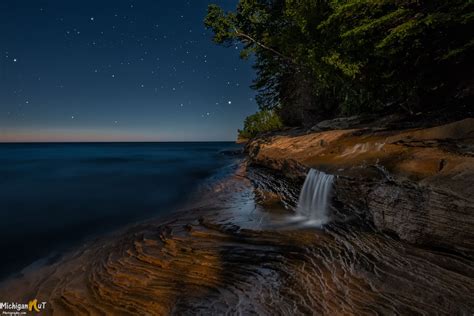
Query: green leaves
[[316, 59], [347, 68], [222, 24], [260, 122]]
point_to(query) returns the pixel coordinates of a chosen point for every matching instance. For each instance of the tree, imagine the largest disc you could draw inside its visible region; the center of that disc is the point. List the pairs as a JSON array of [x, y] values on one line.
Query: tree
[[318, 59], [260, 122]]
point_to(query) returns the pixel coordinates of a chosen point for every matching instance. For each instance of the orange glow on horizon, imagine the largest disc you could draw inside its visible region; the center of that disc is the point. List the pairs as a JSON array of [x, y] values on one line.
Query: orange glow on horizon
[[82, 136]]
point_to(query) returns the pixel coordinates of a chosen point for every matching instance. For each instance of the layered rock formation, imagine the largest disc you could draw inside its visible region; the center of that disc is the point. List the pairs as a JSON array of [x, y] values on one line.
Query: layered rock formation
[[415, 183], [232, 257]]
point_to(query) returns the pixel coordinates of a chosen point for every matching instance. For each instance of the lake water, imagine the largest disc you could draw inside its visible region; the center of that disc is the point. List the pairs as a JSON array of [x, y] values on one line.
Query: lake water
[[54, 195]]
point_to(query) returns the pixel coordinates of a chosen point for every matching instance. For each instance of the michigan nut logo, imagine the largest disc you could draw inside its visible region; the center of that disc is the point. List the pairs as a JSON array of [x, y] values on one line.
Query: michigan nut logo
[[34, 306], [10, 308]]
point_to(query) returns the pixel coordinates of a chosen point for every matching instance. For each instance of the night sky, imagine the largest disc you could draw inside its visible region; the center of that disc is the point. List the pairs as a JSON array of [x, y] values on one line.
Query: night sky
[[143, 70]]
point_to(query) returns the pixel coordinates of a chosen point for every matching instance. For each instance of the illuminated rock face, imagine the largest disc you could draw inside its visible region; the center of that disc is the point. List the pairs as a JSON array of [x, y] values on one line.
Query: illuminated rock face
[[219, 258], [415, 183], [203, 262]]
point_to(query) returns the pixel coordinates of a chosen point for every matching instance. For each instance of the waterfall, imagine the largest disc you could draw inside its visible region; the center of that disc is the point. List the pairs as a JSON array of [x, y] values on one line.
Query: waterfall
[[315, 195]]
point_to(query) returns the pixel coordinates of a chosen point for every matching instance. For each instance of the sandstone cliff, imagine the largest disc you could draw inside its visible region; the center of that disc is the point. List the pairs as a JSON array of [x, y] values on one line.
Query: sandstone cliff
[[415, 183]]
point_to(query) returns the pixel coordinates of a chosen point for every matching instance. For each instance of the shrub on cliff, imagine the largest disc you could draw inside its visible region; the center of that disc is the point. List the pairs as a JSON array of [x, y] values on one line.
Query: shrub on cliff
[[260, 122], [319, 59]]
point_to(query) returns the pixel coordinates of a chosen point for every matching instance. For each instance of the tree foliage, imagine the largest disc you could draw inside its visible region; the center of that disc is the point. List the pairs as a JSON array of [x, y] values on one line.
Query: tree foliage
[[260, 122], [316, 59]]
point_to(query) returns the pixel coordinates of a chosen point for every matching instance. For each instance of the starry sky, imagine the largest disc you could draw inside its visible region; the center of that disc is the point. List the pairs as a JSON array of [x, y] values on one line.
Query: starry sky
[[122, 70]]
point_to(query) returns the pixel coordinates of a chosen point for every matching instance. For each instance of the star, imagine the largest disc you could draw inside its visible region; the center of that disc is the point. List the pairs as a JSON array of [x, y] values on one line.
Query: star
[[135, 54]]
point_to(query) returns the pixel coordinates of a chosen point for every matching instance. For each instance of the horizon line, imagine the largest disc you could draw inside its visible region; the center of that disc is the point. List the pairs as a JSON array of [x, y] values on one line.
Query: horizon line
[[118, 141]]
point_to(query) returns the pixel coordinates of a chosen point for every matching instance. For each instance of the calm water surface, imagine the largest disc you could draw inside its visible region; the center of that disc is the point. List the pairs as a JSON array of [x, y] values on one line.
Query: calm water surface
[[55, 195]]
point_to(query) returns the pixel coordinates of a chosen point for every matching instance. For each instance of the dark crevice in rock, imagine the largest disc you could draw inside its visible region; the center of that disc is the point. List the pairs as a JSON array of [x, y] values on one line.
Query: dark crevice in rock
[[417, 190], [271, 187]]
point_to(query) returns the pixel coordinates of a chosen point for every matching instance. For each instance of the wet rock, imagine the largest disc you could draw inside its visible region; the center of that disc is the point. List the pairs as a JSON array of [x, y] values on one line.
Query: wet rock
[[224, 267], [273, 188], [416, 184], [419, 214]]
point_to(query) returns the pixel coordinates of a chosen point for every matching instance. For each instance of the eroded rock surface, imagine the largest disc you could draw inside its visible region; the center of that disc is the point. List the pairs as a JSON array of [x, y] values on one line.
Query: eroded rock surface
[[232, 257], [239, 252], [417, 183]]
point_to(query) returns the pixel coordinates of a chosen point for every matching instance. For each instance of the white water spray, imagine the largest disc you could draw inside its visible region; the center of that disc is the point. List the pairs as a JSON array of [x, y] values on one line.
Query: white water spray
[[314, 198]]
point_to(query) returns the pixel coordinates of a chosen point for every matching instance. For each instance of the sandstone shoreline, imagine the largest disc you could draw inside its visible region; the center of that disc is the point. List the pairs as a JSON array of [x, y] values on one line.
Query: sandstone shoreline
[[235, 252], [415, 183]]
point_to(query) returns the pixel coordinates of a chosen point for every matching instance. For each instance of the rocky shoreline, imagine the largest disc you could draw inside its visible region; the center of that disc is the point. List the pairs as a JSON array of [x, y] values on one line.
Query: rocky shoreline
[[414, 183], [398, 243]]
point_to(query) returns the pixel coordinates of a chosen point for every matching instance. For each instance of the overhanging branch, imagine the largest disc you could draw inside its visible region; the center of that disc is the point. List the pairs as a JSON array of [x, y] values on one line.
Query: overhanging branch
[[251, 39]]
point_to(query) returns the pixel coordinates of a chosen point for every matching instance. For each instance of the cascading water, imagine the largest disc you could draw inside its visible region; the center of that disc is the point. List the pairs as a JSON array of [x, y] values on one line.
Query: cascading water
[[315, 195]]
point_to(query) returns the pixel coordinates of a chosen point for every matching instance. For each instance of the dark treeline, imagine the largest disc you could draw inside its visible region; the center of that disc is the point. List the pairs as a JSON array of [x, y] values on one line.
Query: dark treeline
[[321, 59]]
